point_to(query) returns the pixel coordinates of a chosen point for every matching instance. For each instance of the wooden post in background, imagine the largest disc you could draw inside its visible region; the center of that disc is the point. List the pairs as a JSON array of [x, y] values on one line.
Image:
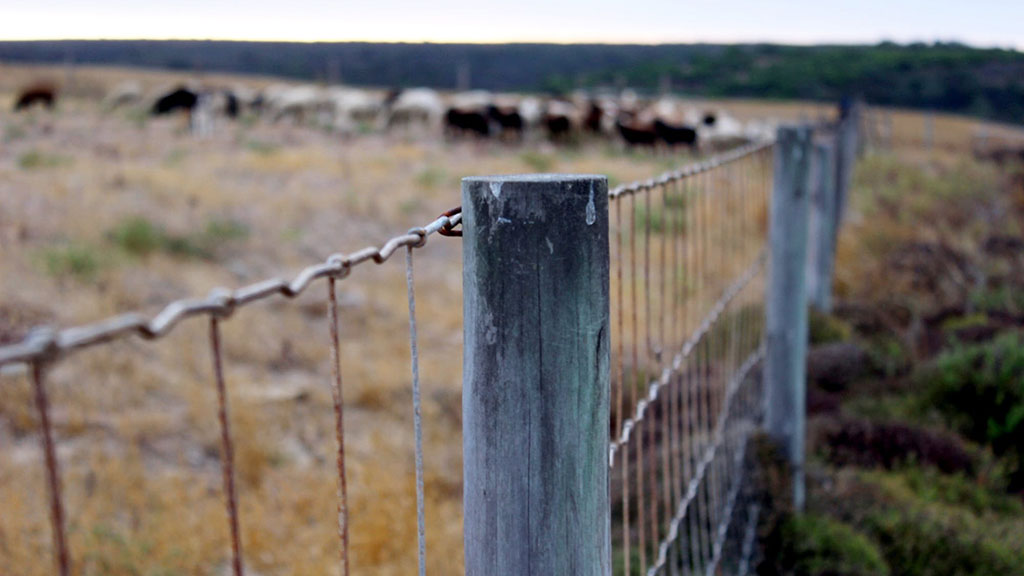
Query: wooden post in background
[[823, 234], [847, 140], [536, 359], [786, 305]]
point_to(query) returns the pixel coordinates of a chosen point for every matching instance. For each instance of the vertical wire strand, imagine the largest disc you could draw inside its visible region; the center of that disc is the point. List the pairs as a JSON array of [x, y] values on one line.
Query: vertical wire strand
[[703, 386], [692, 411], [635, 383], [677, 413], [673, 344], [653, 359], [421, 532], [665, 399], [339, 427], [624, 458], [53, 486], [697, 407], [227, 447]]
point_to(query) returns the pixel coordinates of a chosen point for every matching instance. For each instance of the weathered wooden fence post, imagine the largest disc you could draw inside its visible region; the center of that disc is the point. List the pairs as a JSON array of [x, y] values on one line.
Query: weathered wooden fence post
[[847, 139], [823, 233], [536, 375], [786, 306]]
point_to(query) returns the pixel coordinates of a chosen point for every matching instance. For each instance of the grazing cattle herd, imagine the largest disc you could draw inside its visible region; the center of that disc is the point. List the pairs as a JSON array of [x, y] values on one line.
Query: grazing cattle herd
[[665, 122]]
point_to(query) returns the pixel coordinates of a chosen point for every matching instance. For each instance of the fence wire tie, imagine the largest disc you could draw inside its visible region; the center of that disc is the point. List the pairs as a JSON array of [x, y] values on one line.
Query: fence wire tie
[[449, 228]]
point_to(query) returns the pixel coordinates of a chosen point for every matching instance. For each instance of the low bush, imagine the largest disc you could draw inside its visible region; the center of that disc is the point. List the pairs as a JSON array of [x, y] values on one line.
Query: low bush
[[139, 237], [818, 546], [979, 392], [75, 260], [893, 444]]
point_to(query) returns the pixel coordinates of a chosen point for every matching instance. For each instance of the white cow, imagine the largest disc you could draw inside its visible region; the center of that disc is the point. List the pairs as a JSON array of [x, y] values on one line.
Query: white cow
[[297, 103], [351, 107], [123, 94], [416, 108]]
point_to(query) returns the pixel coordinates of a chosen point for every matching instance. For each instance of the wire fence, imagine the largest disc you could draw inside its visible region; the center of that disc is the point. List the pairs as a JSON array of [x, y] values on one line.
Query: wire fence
[[44, 347], [689, 253], [687, 296]]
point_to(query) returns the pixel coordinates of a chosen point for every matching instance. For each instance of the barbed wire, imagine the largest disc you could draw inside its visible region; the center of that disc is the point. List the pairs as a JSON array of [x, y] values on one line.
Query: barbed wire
[[47, 343]]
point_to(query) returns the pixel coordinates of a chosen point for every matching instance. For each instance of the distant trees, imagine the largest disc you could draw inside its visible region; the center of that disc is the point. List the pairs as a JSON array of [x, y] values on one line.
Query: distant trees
[[942, 76]]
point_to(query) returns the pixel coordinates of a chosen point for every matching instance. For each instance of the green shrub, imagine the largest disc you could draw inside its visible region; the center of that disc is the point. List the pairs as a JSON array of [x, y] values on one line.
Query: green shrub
[[222, 230], [999, 299], [889, 354], [262, 148], [824, 328], [919, 544], [927, 524], [138, 236], [34, 159], [79, 261], [958, 490], [979, 391], [816, 545]]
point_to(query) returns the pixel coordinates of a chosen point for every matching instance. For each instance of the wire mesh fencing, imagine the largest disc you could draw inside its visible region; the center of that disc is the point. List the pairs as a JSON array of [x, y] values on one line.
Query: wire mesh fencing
[[43, 349], [689, 253], [688, 258]]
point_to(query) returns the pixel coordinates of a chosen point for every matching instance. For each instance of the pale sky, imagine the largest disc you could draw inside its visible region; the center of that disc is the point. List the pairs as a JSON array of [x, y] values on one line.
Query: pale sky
[[980, 22]]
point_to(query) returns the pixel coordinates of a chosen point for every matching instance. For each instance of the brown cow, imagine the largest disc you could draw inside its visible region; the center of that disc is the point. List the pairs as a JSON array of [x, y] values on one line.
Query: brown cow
[[42, 94]]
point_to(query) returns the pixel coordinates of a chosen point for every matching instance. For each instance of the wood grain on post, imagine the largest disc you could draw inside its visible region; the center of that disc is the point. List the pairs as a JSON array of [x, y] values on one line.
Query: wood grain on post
[[536, 375], [786, 306]]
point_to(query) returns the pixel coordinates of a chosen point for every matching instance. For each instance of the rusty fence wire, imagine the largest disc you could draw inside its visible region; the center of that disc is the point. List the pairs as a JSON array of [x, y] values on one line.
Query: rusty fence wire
[[688, 275], [688, 258], [42, 348]]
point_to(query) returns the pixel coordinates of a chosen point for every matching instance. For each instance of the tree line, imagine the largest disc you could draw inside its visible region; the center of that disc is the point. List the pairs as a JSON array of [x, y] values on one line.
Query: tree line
[[987, 82]]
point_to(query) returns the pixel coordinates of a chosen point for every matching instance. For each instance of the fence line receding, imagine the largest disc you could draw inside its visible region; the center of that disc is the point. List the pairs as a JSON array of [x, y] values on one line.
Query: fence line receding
[[685, 270]]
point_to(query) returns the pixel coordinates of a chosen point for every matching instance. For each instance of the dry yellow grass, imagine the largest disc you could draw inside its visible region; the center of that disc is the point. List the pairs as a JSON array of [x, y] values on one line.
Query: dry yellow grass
[[136, 421]]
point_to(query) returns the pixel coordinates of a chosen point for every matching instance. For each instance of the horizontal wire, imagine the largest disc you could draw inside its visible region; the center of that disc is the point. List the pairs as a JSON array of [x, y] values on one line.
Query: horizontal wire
[[654, 387], [709, 455], [47, 343], [691, 169]]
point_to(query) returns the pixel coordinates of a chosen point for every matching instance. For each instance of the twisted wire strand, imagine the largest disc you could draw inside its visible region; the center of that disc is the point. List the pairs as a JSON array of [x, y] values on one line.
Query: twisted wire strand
[[690, 170], [654, 389], [46, 343], [707, 458]]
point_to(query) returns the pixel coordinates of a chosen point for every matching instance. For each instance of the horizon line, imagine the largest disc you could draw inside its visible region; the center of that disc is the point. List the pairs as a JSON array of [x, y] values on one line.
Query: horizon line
[[797, 43]]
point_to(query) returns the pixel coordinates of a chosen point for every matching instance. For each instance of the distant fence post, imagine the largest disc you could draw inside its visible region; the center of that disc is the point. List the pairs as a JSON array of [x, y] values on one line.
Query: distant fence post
[[822, 234], [536, 375], [847, 142], [786, 305]]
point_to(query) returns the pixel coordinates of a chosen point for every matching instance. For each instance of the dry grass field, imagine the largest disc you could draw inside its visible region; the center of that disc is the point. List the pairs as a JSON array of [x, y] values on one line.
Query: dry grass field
[[108, 212]]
